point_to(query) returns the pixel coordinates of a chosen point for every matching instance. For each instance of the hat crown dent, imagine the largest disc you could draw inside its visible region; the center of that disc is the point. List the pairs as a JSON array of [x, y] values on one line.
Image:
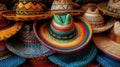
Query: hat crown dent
[[63, 20], [92, 10]]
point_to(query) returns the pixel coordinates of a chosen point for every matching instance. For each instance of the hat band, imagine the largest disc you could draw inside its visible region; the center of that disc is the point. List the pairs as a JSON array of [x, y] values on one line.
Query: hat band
[[97, 25], [62, 37], [114, 37], [62, 7], [28, 12], [113, 10]]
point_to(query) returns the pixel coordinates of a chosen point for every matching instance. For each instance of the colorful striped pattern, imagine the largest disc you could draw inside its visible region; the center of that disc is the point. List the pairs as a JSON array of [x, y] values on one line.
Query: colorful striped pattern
[[62, 27], [83, 35], [94, 17]]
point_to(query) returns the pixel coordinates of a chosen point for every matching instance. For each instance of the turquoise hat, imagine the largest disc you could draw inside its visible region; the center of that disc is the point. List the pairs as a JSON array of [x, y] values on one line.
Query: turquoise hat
[[76, 59]]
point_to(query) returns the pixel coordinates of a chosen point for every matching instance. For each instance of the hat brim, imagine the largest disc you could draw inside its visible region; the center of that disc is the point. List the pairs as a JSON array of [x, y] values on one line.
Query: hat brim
[[107, 61], [103, 7], [77, 59], [108, 24], [11, 15], [108, 46], [72, 12], [12, 61], [83, 36], [10, 31], [19, 48]]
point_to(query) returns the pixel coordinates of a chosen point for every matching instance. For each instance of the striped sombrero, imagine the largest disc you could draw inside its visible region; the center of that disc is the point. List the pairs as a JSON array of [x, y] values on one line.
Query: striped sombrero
[[76, 59], [7, 59], [63, 34], [25, 44]]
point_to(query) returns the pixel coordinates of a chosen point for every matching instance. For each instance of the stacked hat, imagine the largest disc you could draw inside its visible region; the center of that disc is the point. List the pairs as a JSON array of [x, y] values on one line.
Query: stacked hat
[[7, 59], [109, 44], [107, 61], [28, 10], [26, 45], [7, 28], [64, 7], [76, 59], [98, 22], [63, 34], [111, 8]]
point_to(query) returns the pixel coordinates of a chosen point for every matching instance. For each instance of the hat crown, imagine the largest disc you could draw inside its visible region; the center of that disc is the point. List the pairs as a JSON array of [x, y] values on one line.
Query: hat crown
[[62, 26], [116, 28], [29, 7], [94, 16], [62, 5], [26, 35]]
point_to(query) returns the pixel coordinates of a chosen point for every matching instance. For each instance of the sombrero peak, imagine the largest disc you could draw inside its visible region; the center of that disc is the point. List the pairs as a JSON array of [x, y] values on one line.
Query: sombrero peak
[[62, 19]]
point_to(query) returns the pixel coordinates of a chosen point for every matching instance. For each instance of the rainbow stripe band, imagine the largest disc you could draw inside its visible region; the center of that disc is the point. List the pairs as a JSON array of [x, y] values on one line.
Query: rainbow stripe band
[[62, 37]]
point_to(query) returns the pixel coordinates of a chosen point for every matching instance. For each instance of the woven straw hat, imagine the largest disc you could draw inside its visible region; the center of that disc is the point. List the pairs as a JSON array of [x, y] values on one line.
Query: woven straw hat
[[76, 59], [7, 28], [109, 44], [111, 8], [64, 7], [28, 10], [63, 34], [98, 22], [107, 61], [26, 44], [7, 59]]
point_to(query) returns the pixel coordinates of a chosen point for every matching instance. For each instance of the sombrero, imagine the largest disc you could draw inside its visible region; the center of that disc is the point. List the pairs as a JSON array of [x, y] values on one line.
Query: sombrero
[[63, 34], [7, 28], [7, 59], [111, 8], [107, 61], [28, 10], [109, 44], [26, 45], [98, 22], [64, 7], [76, 59]]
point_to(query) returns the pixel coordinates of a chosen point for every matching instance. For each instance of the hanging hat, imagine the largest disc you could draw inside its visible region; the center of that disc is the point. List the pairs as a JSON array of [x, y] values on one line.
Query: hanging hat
[[109, 44], [64, 7], [76, 59], [26, 45], [107, 61], [28, 10], [89, 5], [7, 59], [63, 34], [7, 28], [111, 8], [98, 22]]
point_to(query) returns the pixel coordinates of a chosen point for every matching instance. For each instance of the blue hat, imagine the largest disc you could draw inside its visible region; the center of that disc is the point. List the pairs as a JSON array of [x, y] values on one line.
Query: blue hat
[[12, 61], [76, 59], [7, 59], [26, 45], [107, 61]]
